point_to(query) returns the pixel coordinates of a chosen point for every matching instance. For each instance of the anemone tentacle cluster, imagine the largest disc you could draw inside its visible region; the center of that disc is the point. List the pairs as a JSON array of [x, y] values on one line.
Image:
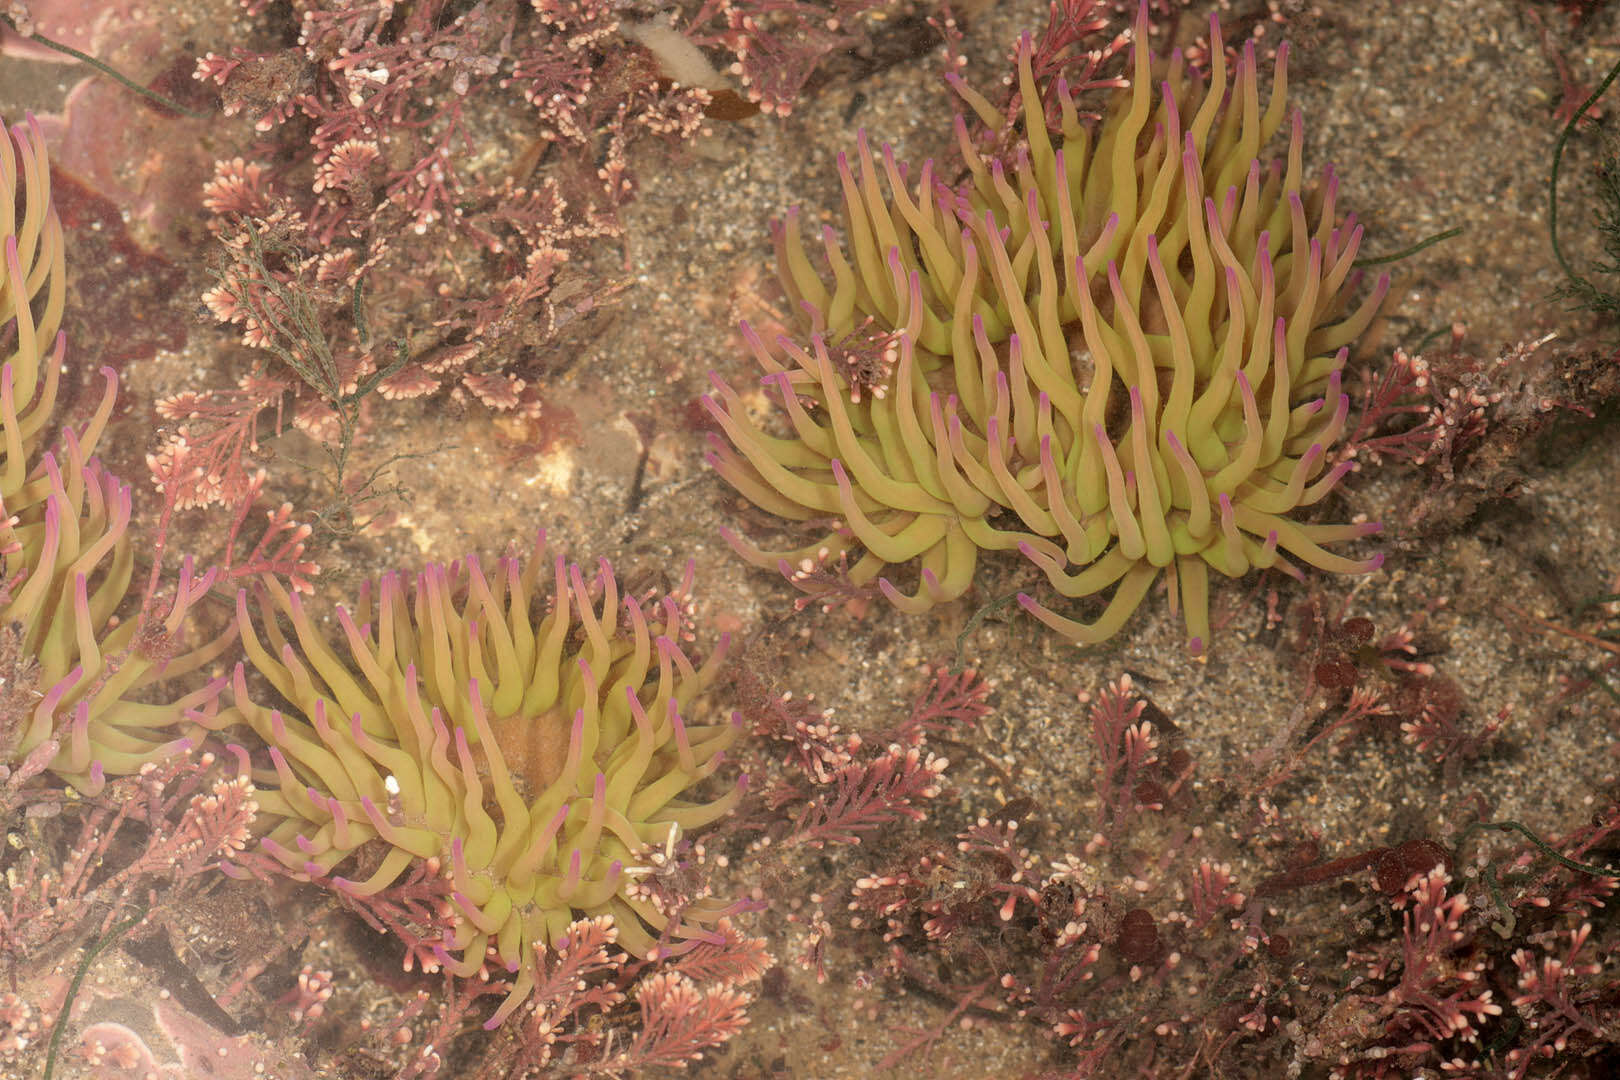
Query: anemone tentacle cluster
[[1120, 353], [536, 747], [76, 654], [32, 289]]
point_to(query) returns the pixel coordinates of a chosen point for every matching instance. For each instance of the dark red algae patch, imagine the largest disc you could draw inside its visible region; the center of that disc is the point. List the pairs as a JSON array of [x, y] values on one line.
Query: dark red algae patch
[[121, 298]]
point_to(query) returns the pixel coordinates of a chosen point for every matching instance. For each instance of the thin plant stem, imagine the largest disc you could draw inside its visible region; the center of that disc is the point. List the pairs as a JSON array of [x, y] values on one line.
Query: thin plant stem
[[118, 76], [1406, 252], [1552, 181], [73, 987]]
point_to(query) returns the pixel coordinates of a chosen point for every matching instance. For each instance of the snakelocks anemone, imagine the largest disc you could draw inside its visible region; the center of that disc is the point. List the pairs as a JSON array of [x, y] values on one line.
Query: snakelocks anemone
[[1119, 353], [533, 745], [72, 651]]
